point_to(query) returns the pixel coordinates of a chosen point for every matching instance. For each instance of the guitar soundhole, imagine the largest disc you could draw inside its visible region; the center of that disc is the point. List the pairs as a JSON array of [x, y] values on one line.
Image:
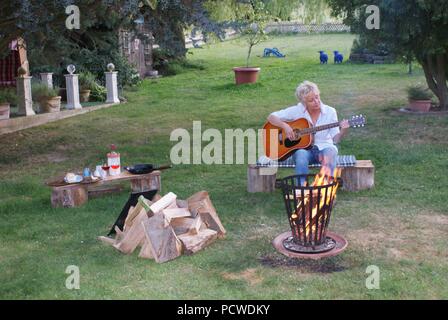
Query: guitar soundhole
[[289, 143]]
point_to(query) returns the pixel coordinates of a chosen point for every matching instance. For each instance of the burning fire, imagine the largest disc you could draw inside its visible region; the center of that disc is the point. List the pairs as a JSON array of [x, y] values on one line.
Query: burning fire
[[320, 202]]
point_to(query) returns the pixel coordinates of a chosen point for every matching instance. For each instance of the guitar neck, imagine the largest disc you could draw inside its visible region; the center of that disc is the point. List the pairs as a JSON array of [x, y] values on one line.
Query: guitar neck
[[319, 128]]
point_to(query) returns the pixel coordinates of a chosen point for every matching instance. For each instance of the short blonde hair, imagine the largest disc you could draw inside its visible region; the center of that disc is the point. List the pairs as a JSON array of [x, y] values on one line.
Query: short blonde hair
[[305, 88]]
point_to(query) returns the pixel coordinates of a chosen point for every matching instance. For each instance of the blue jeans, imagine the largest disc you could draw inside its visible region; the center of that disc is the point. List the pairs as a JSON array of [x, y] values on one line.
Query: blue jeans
[[302, 158]]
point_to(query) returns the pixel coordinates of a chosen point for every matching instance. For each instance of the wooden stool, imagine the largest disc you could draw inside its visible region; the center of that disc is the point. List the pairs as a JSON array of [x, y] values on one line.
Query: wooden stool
[[69, 196], [360, 177]]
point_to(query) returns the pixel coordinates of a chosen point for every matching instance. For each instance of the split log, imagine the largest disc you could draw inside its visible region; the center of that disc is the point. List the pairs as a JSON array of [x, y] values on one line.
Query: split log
[[196, 225], [107, 240], [175, 213], [194, 243], [201, 204], [260, 179], [142, 205], [181, 225], [163, 203], [182, 203], [145, 251], [134, 235], [359, 177], [69, 196], [162, 240]]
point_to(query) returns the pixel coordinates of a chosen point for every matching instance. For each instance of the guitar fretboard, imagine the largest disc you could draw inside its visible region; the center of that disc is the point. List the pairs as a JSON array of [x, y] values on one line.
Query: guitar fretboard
[[318, 128]]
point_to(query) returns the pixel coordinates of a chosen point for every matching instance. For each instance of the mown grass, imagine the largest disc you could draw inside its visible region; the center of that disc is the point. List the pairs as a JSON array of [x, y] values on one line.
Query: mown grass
[[399, 226]]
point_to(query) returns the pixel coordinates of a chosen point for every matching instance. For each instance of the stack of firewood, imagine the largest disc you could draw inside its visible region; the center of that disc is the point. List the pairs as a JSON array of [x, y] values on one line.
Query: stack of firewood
[[167, 227]]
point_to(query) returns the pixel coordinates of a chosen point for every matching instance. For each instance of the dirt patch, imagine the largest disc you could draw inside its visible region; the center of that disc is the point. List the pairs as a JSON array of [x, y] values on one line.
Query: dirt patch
[[248, 275], [305, 266], [413, 238]]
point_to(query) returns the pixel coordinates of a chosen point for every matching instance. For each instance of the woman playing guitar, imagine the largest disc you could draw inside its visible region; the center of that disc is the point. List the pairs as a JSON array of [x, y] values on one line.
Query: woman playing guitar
[[318, 147]]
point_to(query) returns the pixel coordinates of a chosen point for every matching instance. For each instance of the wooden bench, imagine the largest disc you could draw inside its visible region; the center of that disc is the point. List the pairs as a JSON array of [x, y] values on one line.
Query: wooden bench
[[76, 194], [356, 176]]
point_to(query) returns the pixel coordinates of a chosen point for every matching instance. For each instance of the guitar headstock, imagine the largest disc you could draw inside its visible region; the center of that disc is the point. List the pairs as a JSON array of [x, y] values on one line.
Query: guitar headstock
[[357, 121]]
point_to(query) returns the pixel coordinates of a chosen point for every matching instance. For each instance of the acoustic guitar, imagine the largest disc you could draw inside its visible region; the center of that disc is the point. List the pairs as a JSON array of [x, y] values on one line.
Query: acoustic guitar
[[278, 147]]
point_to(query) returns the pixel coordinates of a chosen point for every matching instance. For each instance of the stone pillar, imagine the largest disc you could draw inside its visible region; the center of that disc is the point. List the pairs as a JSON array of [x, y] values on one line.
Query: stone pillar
[[71, 81], [25, 99], [112, 88], [47, 78]]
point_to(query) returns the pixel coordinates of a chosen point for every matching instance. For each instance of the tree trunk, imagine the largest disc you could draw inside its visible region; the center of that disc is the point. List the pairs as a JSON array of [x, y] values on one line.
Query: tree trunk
[[435, 67]]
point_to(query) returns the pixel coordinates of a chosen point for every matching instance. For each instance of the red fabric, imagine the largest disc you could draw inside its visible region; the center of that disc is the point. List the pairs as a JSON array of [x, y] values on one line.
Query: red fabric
[[8, 68]]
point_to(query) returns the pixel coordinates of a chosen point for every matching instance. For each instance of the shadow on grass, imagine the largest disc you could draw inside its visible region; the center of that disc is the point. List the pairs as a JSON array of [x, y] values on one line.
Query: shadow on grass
[[232, 87], [330, 265]]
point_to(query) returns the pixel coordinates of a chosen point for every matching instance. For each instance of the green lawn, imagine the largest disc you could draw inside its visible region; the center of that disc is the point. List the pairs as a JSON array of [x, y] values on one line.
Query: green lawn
[[400, 226]]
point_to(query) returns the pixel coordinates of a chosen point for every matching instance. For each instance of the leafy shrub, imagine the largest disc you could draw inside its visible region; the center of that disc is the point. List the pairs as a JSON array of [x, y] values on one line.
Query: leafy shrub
[[8, 96], [40, 91], [87, 80], [98, 93], [418, 92]]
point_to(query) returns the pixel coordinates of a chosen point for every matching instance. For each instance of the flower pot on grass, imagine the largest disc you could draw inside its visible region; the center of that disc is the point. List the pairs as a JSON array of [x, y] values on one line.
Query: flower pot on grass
[[419, 105], [50, 104], [84, 95], [87, 82], [253, 32], [7, 96], [246, 75], [48, 98], [419, 98], [4, 111]]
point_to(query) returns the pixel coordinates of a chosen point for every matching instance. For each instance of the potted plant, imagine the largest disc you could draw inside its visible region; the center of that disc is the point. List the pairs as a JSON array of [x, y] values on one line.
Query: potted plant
[[7, 97], [419, 98], [252, 28], [86, 83], [49, 99]]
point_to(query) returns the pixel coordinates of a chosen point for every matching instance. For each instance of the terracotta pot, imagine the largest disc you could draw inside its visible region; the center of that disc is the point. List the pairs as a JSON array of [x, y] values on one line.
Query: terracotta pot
[[419, 105], [246, 75], [84, 95], [52, 104], [4, 111]]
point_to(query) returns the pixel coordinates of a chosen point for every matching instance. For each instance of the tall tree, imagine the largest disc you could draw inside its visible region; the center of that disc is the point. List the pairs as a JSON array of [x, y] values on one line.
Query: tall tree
[[407, 27]]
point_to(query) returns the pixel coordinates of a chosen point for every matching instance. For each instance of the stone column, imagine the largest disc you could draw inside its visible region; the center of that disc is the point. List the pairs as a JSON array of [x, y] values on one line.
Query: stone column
[[25, 99], [71, 81], [47, 78], [112, 88]]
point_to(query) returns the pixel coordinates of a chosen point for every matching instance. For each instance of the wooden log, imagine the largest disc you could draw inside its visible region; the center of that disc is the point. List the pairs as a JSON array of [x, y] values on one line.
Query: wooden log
[[182, 203], [164, 202], [146, 182], [201, 204], [359, 177], [69, 196], [163, 242], [181, 225], [145, 251], [196, 225], [142, 205], [134, 235], [171, 213], [260, 179], [107, 240], [194, 243]]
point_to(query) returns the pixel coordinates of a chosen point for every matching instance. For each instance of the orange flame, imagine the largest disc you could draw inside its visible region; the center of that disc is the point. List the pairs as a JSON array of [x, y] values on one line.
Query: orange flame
[[322, 178]]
